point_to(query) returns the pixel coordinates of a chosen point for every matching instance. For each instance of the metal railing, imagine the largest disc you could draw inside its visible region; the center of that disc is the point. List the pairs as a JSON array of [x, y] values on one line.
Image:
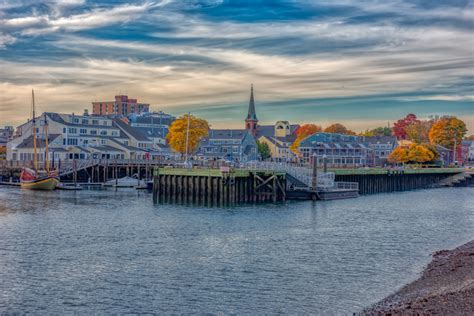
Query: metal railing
[[302, 174]]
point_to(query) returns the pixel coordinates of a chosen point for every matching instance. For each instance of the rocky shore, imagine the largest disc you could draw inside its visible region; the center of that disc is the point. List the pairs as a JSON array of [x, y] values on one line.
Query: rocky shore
[[446, 287]]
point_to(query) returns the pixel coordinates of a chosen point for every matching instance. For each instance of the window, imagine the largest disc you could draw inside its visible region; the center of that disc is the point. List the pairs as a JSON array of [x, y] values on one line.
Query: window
[[93, 132], [64, 141], [76, 120], [85, 141], [72, 130], [72, 141], [85, 122], [83, 131], [103, 142], [104, 123], [64, 130], [95, 122], [103, 133], [114, 133]]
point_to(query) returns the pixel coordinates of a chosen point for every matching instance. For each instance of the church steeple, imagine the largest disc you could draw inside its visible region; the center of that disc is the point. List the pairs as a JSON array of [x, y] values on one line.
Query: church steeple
[[251, 120]]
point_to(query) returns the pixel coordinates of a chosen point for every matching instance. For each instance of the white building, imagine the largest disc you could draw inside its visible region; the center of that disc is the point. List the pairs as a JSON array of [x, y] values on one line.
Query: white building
[[80, 137]]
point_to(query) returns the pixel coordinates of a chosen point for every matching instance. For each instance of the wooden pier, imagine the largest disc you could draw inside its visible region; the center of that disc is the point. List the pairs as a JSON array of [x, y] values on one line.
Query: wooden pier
[[220, 187]]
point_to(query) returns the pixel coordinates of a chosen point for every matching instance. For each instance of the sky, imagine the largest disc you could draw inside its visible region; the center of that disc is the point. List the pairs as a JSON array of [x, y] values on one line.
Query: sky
[[363, 63]]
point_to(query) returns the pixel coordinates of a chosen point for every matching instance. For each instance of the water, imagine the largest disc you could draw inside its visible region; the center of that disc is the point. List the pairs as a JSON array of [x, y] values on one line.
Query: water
[[114, 252]]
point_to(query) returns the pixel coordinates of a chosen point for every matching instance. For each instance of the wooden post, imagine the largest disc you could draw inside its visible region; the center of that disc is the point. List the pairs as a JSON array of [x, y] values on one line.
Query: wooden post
[[314, 182], [156, 185]]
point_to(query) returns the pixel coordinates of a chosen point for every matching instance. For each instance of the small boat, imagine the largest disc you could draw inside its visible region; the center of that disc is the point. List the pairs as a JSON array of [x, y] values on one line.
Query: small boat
[[125, 182], [35, 179]]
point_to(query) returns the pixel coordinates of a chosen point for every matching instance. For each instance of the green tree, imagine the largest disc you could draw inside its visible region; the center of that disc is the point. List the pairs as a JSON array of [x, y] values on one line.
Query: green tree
[[263, 150], [378, 131]]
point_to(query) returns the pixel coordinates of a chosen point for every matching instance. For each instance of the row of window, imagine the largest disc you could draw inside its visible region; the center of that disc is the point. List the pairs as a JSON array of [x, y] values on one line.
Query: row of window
[[76, 120], [80, 141], [83, 131]]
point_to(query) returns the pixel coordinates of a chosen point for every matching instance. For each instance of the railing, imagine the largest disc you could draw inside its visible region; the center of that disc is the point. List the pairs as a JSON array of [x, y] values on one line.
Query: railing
[[303, 174]]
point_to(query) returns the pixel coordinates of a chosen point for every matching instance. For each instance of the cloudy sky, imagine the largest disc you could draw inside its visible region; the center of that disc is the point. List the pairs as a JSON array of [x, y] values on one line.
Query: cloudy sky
[[363, 62]]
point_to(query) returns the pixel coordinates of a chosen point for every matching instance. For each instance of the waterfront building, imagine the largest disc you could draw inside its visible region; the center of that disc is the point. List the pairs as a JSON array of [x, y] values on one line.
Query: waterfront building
[[470, 150], [83, 137], [279, 138], [347, 150], [122, 105], [154, 125], [228, 144], [381, 146]]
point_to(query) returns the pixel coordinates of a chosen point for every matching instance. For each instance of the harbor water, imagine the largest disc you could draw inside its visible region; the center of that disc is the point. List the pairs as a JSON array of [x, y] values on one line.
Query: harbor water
[[109, 251]]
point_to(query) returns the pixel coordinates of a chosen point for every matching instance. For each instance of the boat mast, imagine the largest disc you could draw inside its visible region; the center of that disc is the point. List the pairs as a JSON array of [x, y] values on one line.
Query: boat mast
[[46, 142], [35, 163]]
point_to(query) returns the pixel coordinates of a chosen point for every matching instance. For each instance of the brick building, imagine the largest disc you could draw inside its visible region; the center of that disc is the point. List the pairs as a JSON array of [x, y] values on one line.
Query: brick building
[[122, 105]]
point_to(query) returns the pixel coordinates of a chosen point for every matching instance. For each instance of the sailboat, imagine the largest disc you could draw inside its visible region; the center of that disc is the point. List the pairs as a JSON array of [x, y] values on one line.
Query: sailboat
[[39, 179]]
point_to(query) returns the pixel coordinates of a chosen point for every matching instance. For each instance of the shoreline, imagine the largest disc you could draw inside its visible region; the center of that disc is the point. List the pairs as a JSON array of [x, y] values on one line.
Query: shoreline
[[445, 287]]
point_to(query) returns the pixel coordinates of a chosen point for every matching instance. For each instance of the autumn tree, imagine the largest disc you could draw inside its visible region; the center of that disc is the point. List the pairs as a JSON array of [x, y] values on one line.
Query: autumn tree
[[3, 152], [447, 131], [399, 127], [198, 129], [302, 132], [378, 131], [263, 150], [338, 129], [418, 131], [419, 154], [398, 155]]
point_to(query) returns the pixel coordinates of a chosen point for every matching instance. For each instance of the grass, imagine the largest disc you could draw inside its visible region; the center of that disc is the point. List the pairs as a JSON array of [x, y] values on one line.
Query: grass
[[245, 173]]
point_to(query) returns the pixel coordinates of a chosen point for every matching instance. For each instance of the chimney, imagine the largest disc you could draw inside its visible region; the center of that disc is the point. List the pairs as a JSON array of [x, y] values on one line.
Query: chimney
[[86, 112]]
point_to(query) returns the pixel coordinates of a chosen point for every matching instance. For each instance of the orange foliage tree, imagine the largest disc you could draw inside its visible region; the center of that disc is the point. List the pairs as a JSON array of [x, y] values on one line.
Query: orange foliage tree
[[339, 129], [198, 129], [398, 155], [418, 131], [420, 154], [414, 154], [303, 132], [447, 131]]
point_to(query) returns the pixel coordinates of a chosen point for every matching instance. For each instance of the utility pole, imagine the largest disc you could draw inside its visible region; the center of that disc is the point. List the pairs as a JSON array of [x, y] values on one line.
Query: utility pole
[[187, 140]]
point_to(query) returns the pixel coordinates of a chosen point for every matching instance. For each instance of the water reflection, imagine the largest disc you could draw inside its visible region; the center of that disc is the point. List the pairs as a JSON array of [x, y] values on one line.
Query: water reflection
[[113, 251]]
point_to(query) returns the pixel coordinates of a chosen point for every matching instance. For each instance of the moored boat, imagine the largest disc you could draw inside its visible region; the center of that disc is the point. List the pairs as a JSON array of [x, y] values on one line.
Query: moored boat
[[35, 179], [30, 179]]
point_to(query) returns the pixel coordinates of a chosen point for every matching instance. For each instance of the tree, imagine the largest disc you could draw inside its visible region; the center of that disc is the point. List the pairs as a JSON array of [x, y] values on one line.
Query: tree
[[418, 131], [399, 126], [198, 129], [3, 152], [398, 155], [303, 132], [447, 131], [378, 131], [338, 129], [419, 154], [263, 150]]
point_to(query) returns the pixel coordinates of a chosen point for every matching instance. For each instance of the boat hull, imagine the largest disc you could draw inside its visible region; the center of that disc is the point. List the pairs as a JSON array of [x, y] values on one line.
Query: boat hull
[[48, 184]]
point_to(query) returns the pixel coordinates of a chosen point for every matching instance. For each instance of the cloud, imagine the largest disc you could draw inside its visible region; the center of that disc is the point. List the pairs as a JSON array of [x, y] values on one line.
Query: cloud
[[202, 56], [93, 18]]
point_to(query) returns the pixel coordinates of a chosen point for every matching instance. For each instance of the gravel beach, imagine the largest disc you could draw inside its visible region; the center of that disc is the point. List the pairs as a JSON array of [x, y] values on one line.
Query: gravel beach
[[446, 287]]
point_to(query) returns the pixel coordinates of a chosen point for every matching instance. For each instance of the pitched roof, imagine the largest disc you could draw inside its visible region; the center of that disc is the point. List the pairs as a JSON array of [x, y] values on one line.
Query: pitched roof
[[227, 133], [269, 130], [130, 130], [40, 142], [251, 115]]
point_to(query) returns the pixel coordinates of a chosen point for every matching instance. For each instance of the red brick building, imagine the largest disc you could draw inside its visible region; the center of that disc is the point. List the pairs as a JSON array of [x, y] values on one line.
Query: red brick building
[[122, 105]]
